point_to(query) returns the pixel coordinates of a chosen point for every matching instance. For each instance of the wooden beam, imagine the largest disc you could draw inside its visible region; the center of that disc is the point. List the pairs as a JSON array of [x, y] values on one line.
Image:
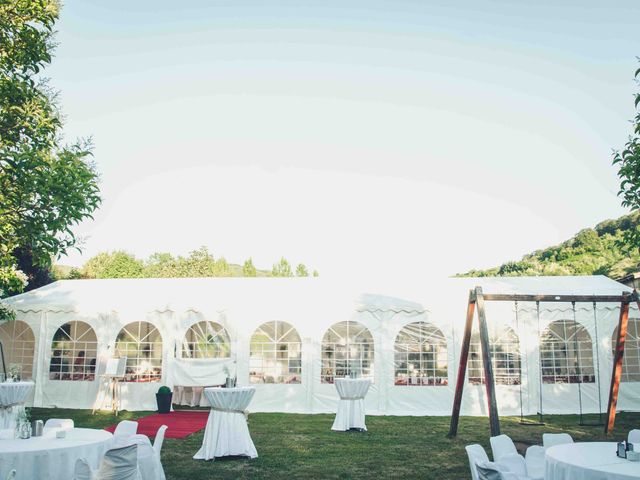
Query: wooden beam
[[494, 421], [617, 364], [506, 297], [462, 368]]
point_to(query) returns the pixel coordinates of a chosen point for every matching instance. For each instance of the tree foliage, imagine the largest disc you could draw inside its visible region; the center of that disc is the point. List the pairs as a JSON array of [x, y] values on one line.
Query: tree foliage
[[301, 270], [591, 251], [628, 162], [249, 269], [45, 187], [282, 269]]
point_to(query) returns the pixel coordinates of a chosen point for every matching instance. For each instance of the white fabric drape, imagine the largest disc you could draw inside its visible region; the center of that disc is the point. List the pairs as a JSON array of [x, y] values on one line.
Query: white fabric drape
[[13, 395], [51, 458], [351, 411], [227, 432], [588, 461]]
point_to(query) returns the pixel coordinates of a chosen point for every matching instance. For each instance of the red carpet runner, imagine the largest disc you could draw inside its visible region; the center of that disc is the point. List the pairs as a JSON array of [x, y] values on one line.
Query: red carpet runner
[[181, 424]]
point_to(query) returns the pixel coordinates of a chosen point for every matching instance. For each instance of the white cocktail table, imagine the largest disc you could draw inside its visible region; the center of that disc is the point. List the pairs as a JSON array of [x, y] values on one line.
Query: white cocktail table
[[588, 461], [50, 457], [350, 412], [13, 395], [227, 432]]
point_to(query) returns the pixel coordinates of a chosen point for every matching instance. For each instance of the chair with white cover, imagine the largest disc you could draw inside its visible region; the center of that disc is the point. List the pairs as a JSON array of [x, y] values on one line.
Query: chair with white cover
[[477, 455], [493, 471], [157, 442], [507, 457], [552, 439], [126, 428], [634, 436], [120, 464], [502, 445], [82, 470], [12, 475], [59, 423]]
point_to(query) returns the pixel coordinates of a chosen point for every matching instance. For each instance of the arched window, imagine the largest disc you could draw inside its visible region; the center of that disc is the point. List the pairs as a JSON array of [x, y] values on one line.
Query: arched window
[[420, 355], [73, 352], [631, 358], [505, 357], [276, 354], [206, 340], [141, 343], [566, 353], [347, 349], [18, 344]]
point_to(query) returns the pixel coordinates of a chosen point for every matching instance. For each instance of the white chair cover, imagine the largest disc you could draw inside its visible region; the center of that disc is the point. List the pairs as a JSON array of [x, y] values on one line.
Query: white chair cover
[[476, 455], [59, 423], [552, 439], [126, 428], [534, 460], [634, 436], [157, 442], [502, 445], [12, 475], [492, 471], [149, 463], [513, 462], [120, 464], [82, 470]]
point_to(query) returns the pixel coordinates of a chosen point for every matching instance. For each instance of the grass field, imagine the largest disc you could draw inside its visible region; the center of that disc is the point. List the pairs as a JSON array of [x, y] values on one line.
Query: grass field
[[303, 446]]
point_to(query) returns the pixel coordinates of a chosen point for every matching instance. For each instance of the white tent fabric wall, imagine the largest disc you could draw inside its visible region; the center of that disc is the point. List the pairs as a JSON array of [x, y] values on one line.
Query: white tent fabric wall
[[311, 306]]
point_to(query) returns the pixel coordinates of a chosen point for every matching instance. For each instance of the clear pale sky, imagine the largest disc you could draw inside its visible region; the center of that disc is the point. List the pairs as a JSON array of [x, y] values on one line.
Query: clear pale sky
[[394, 138]]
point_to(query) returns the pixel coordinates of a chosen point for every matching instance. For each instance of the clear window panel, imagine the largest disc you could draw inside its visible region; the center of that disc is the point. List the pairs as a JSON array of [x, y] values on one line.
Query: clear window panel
[[420, 356], [347, 349], [275, 354], [631, 358], [504, 348], [18, 345], [141, 343], [566, 353], [206, 340]]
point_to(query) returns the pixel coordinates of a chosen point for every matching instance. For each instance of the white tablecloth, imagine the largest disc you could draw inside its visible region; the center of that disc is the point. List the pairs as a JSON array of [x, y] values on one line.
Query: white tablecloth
[[51, 458], [12, 398], [588, 461], [350, 412], [227, 432]]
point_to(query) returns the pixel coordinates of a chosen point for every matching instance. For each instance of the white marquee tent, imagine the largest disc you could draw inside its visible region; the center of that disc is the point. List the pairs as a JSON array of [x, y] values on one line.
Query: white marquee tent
[[291, 336]]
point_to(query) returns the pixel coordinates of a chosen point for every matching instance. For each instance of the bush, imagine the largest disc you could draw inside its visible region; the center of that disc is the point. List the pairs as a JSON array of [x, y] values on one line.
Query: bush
[[163, 390]]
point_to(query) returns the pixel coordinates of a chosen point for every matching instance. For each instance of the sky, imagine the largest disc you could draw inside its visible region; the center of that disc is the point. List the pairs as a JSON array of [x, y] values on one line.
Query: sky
[[363, 138]]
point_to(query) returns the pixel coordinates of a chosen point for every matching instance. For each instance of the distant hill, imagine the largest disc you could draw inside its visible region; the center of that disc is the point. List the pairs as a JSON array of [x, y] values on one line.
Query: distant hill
[[592, 251]]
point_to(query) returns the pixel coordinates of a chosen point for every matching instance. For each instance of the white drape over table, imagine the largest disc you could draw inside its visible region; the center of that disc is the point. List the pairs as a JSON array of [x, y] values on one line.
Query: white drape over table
[[588, 461], [350, 412], [51, 458], [227, 432], [13, 395]]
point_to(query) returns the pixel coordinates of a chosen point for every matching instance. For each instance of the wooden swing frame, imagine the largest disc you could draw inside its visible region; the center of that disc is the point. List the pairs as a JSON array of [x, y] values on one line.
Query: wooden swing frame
[[476, 302]]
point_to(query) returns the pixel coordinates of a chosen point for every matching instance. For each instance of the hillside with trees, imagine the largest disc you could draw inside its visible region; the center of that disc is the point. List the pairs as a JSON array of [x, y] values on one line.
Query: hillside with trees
[[602, 250], [199, 263]]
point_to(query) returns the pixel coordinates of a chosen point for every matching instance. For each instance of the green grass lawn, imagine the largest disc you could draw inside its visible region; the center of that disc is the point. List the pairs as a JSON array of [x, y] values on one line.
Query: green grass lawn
[[303, 446]]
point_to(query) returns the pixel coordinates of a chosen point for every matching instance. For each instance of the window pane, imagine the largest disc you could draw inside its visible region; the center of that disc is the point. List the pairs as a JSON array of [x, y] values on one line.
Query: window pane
[[504, 348], [276, 354], [206, 340], [347, 348], [566, 353], [631, 358], [420, 356], [18, 344], [141, 343], [73, 352]]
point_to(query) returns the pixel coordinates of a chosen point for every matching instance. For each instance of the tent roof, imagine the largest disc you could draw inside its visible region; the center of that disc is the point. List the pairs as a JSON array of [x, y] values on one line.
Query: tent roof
[[203, 294]]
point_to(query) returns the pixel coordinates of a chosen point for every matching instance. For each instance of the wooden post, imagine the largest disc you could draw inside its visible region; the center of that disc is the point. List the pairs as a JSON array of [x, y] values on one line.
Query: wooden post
[[494, 421], [617, 363], [462, 368]]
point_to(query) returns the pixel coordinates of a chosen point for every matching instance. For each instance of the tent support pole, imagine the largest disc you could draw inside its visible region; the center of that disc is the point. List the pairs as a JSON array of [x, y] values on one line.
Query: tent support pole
[[617, 362], [462, 368], [494, 421]]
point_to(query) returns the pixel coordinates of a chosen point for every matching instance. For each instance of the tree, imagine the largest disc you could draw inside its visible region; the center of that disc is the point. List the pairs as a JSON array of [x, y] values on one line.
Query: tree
[[281, 269], [45, 187], [301, 270], [248, 269], [315, 273], [118, 264], [628, 162]]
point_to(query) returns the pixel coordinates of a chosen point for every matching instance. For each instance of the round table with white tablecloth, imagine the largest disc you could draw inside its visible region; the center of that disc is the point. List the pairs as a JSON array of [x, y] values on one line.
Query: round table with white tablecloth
[[350, 412], [51, 458], [588, 461], [227, 432], [13, 395]]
